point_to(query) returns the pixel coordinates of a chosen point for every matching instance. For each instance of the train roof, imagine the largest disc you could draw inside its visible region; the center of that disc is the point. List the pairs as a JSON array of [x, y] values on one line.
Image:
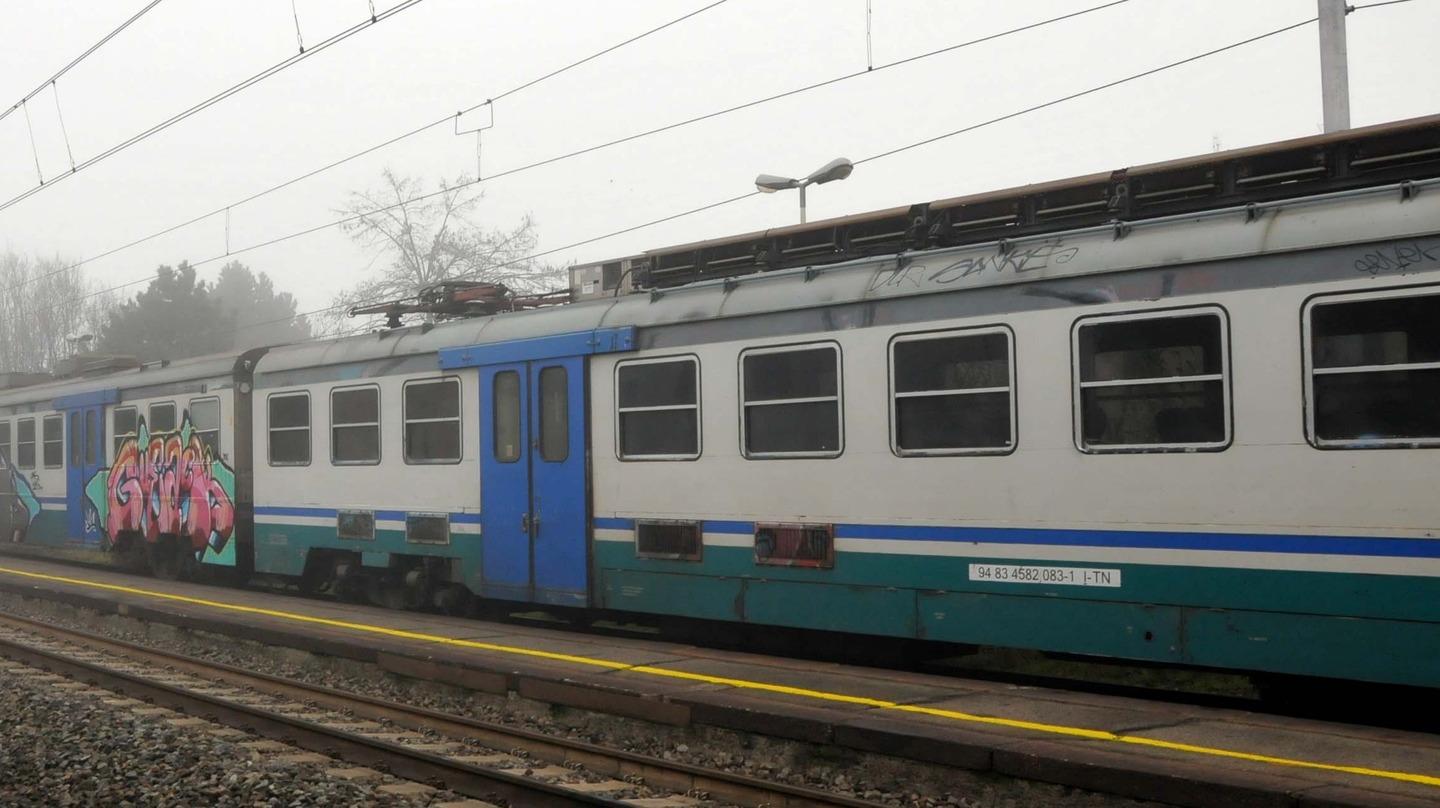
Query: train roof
[[150, 374]]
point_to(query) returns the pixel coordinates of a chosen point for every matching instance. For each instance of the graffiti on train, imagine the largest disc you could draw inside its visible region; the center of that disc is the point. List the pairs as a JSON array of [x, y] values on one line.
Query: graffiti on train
[[1009, 259], [168, 484], [18, 504]]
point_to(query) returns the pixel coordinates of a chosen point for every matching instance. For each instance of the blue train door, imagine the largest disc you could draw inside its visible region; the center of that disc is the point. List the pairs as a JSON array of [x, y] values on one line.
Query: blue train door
[[85, 457], [534, 463], [534, 540]]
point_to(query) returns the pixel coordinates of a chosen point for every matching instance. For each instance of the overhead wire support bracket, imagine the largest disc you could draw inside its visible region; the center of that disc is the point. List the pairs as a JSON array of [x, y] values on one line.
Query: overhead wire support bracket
[[295, 12], [55, 93], [33, 149], [478, 131]]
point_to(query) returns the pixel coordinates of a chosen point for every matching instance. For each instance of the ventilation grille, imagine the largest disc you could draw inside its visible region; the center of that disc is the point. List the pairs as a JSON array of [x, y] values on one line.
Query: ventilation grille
[[668, 539], [795, 545], [427, 528], [358, 525]]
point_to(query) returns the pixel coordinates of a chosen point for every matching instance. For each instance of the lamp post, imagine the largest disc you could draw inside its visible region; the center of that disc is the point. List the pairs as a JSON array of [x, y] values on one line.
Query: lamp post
[[837, 169]]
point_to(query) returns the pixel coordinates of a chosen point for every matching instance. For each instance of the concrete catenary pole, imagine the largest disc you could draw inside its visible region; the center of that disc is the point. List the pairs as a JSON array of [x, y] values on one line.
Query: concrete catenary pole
[[1334, 73]]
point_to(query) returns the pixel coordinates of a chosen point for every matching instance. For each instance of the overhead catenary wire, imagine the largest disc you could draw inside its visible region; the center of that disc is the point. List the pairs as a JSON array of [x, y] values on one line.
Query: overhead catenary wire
[[594, 147], [448, 118], [878, 156], [214, 99], [78, 59]]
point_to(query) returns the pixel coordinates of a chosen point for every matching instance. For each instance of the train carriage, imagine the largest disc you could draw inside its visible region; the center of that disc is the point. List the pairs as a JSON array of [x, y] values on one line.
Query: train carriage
[[150, 458], [1182, 413]]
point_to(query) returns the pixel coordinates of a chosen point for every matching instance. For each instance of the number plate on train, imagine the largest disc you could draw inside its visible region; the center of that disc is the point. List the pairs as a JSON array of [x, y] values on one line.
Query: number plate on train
[[1027, 574]]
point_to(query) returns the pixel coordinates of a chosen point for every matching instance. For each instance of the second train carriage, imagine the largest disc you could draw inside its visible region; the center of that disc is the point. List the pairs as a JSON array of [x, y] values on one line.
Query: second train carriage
[[1200, 437]]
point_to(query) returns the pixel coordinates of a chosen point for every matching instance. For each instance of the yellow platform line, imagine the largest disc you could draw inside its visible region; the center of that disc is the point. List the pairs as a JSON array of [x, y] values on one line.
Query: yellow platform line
[[746, 684]]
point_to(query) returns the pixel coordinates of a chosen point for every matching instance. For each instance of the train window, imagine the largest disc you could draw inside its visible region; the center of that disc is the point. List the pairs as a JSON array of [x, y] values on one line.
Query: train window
[[92, 438], [4, 440], [953, 393], [355, 426], [790, 401], [161, 418], [662, 538], [1373, 365], [508, 442], [289, 429], [1156, 381], [205, 423], [432, 421], [77, 441], [54, 441], [25, 443], [657, 404], [123, 426], [554, 415]]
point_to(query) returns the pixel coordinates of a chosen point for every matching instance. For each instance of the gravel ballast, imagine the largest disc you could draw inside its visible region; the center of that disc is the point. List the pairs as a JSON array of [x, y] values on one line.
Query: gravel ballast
[[65, 746]]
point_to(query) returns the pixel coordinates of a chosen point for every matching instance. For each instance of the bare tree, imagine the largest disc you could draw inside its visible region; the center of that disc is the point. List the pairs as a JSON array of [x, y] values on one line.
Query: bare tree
[[46, 307], [429, 237]]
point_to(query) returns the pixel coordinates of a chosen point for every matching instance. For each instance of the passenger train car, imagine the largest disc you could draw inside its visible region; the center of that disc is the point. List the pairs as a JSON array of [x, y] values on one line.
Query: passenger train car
[[1183, 413]]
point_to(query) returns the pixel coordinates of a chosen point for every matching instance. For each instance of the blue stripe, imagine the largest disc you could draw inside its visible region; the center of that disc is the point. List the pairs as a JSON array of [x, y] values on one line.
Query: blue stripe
[[380, 516], [1132, 539], [52, 500]]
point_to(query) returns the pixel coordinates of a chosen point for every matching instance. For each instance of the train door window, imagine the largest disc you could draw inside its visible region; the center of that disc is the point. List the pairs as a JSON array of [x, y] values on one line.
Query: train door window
[[432, 421], [25, 443], [953, 392], [205, 423], [790, 401], [554, 415], [1154, 381], [123, 426], [77, 440], [1373, 366], [161, 418], [92, 438], [54, 442], [506, 409], [355, 426], [657, 409], [289, 429], [5, 439]]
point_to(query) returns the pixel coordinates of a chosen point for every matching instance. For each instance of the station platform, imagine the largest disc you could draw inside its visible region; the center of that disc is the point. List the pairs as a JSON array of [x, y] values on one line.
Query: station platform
[[1175, 754]]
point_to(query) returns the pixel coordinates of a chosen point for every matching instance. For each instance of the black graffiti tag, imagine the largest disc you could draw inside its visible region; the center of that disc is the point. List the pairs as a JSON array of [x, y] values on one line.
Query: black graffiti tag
[[1018, 260], [1397, 258]]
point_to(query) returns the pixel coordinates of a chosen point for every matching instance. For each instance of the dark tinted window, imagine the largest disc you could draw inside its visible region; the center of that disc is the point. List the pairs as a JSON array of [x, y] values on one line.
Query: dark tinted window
[[659, 410], [205, 423], [290, 429], [25, 443], [953, 393], [355, 425], [77, 441], [124, 424], [161, 418], [1151, 348], [791, 402], [1157, 382], [506, 409], [803, 373], [5, 449], [432, 421], [1375, 371], [92, 438], [554, 415], [54, 449]]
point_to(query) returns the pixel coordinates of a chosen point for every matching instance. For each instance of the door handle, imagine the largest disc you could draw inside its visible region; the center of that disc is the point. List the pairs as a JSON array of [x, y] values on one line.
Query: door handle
[[525, 523], [530, 524]]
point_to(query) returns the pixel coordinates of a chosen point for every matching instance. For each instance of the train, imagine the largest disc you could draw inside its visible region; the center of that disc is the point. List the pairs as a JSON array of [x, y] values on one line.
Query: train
[[1185, 413]]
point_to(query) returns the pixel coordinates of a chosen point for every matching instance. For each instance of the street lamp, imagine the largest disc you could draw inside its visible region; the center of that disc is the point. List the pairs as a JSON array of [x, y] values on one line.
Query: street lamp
[[837, 169]]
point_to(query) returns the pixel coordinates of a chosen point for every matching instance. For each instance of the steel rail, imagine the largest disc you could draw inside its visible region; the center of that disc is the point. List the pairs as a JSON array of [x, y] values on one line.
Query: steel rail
[[393, 757]]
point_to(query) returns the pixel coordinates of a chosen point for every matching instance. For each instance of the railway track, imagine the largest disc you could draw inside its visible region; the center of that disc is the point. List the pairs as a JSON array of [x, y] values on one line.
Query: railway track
[[480, 759]]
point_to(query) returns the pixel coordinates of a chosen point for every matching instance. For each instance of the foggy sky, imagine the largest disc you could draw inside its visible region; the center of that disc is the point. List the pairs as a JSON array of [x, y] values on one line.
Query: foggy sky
[[443, 55]]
